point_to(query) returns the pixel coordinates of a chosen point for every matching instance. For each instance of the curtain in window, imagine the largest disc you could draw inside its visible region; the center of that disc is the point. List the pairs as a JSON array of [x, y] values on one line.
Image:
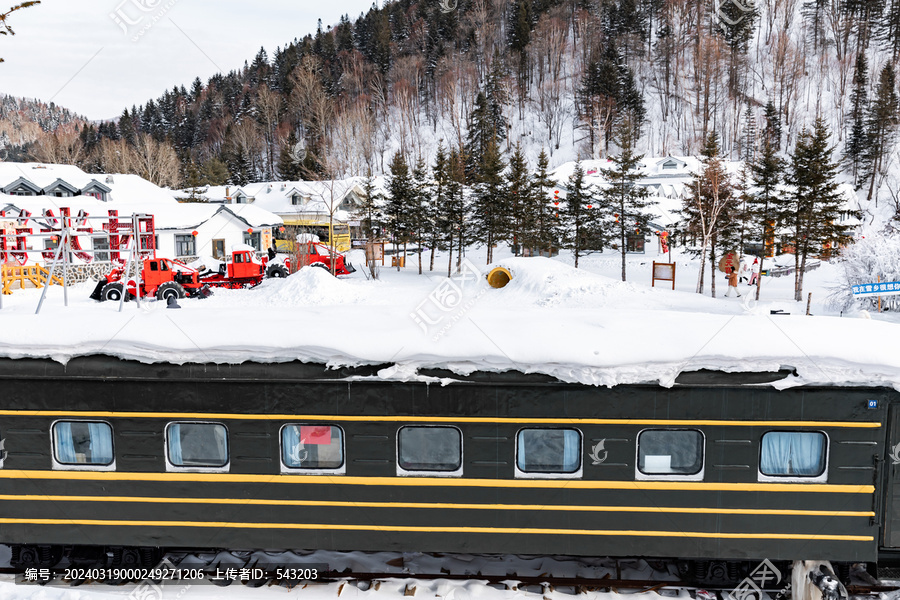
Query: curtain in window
[[572, 449], [290, 445], [65, 445], [101, 443], [175, 444], [792, 453], [807, 450]]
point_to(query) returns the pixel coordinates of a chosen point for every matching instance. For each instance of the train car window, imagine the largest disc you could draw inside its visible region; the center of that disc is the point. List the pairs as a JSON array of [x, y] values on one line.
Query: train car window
[[548, 451], [197, 445], [82, 443], [429, 450], [312, 447], [670, 452], [792, 454]]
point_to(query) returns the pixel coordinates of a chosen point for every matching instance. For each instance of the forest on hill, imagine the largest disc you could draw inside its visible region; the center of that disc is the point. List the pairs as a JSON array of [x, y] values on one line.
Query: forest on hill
[[552, 75]]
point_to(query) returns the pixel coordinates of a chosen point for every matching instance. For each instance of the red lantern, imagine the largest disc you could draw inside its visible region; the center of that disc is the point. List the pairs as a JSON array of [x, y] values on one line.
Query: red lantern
[[590, 206], [281, 230], [556, 203], [556, 192], [249, 230], [194, 233]]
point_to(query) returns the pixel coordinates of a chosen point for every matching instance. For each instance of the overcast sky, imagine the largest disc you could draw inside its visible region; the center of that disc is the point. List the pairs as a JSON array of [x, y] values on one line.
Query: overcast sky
[[97, 57]]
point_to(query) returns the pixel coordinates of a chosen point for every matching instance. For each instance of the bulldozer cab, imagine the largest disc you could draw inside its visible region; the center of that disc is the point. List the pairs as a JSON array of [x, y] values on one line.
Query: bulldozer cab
[[244, 264], [156, 271]]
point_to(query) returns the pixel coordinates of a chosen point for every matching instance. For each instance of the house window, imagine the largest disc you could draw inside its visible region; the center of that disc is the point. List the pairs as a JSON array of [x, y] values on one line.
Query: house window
[[548, 450], [634, 242], [252, 239], [792, 454], [197, 445], [314, 447], [218, 248], [184, 245], [100, 243], [429, 449], [670, 452], [82, 443], [295, 199]]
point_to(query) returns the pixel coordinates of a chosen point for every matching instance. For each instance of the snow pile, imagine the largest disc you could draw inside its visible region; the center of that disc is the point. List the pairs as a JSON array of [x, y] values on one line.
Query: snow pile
[[572, 324], [547, 283]]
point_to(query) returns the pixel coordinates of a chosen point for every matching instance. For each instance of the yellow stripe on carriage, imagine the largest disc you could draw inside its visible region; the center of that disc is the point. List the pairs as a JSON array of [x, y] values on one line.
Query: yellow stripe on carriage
[[438, 529], [579, 484], [442, 505], [98, 414]]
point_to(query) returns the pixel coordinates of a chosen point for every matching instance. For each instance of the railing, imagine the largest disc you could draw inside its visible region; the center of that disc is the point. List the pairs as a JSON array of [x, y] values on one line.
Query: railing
[[34, 274]]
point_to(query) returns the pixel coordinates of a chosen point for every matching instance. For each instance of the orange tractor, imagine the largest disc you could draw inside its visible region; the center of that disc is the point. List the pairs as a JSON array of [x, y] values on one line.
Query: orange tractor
[[165, 278]]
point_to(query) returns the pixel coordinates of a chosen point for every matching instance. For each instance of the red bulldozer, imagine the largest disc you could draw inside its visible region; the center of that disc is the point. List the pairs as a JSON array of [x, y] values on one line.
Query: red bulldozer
[[164, 278]]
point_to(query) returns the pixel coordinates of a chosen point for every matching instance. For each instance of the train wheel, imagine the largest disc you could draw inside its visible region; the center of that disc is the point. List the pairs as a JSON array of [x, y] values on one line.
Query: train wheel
[[169, 289], [111, 292]]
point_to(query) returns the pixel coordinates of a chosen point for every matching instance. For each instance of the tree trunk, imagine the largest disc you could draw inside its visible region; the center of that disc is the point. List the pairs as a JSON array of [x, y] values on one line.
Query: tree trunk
[[450, 257], [712, 270]]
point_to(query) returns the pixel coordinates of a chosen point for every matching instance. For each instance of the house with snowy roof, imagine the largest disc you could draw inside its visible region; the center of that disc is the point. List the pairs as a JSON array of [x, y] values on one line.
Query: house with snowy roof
[[45, 193], [296, 202]]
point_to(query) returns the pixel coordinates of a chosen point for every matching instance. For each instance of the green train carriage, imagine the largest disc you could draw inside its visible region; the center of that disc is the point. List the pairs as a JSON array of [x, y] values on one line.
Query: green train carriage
[[104, 456]]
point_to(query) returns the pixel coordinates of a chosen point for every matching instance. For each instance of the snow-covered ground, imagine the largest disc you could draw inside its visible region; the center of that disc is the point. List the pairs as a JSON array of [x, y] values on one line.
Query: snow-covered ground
[[582, 325]]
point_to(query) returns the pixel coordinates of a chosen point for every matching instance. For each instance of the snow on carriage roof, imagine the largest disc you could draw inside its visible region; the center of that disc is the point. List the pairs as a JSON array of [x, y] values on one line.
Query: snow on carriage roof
[[551, 318]]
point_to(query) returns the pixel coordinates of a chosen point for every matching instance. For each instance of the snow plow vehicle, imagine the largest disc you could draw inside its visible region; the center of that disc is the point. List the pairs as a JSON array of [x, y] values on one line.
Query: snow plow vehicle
[[164, 278], [317, 254]]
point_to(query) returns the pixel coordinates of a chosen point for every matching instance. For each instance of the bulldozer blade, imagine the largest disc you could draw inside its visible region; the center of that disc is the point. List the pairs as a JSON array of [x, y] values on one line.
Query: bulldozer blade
[[95, 295]]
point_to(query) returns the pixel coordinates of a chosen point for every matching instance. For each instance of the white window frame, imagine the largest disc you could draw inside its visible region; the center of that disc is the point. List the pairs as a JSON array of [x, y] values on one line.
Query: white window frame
[[193, 468], [578, 474], [823, 478], [58, 466], [401, 472], [342, 470], [641, 476]]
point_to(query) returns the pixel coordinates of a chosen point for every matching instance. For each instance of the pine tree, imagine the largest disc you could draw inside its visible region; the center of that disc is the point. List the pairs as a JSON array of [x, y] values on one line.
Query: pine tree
[[420, 214], [289, 169], [857, 139], [881, 125], [457, 208], [772, 130], [370, 217], [439, 211], [765, 202], [401, 196], [213, 172], [581, 215], [623, 196], [542, 229], [813, 209], [490, 214], [519, 187]]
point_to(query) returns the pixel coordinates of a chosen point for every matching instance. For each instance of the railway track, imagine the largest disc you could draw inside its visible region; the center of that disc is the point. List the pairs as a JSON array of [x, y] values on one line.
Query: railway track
[[290, 570]]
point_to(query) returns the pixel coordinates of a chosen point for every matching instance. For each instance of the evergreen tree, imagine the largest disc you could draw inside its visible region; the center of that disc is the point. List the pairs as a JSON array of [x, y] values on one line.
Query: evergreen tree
[[370, 219], [439, 211], [401, 196], [289, 168], [764, 204], [772, 130], [813, 208], [213, 172], [420, 214], [857, 140], [623, 196], [542, 225], [881, 124], [490, 214], [581, 215], [520, 204], [457, 208]]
